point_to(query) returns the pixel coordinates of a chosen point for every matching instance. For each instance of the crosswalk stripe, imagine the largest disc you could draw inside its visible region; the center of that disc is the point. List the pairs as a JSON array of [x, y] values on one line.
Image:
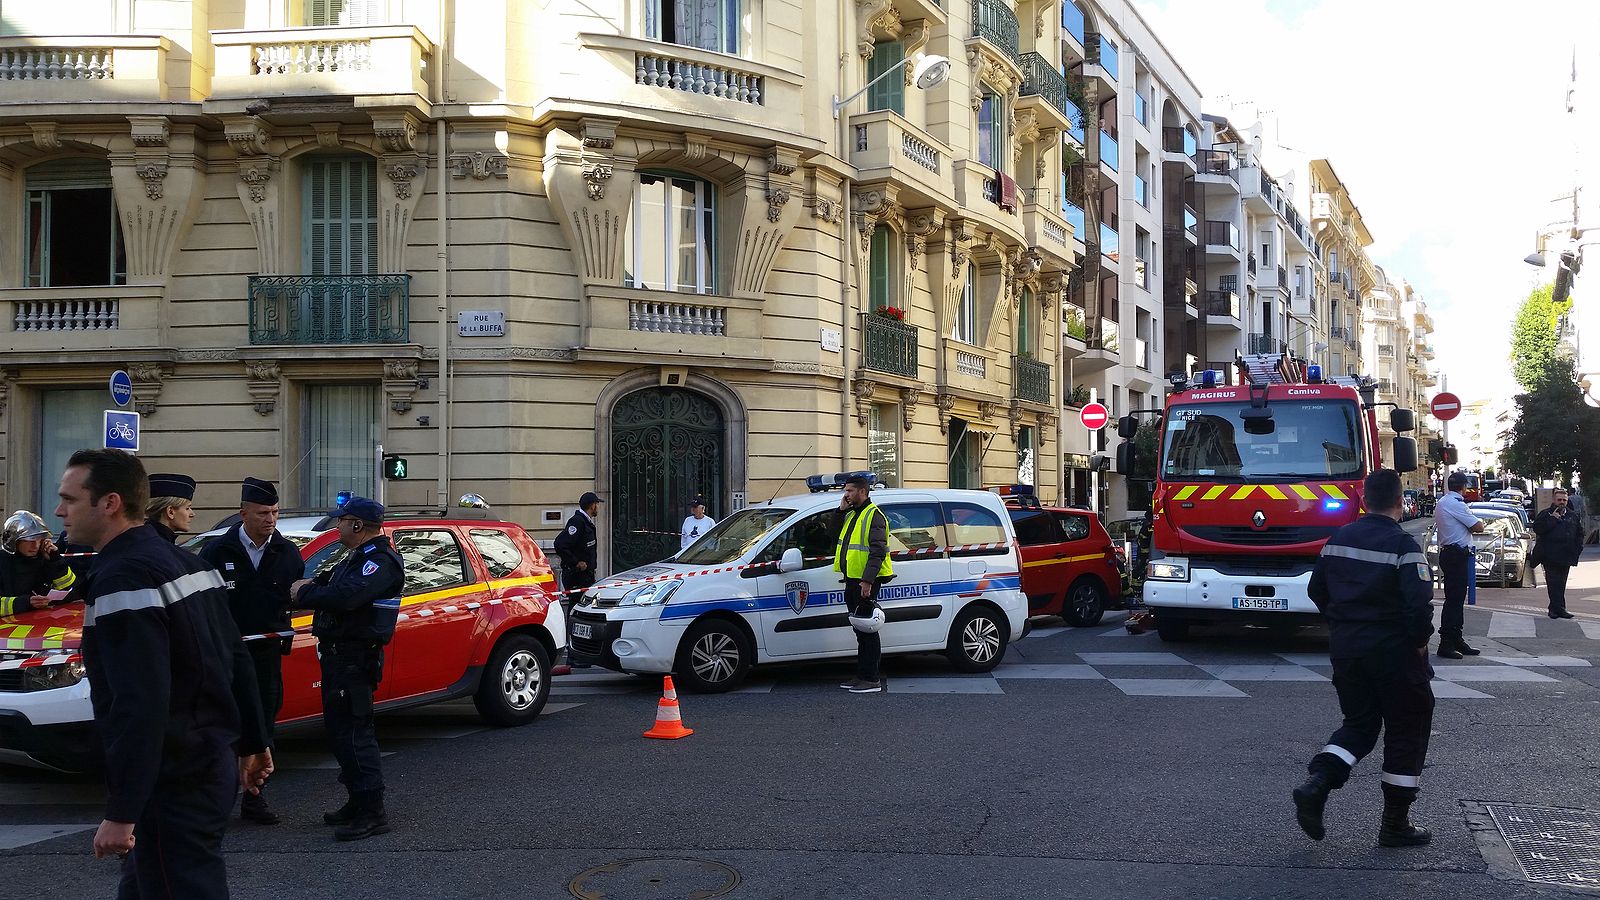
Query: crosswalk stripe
[[1591, 630], [14, 836], [1511, 625]]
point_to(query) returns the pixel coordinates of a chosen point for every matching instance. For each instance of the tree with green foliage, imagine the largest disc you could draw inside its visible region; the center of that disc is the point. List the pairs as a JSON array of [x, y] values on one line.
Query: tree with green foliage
[[1533, 336], [1556, 433]]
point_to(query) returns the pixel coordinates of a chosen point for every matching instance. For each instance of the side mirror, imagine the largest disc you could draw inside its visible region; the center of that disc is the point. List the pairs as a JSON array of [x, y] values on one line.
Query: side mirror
[[1127, 427], [791, 561], [1126, 457], [1405, 451], [1402, 420]]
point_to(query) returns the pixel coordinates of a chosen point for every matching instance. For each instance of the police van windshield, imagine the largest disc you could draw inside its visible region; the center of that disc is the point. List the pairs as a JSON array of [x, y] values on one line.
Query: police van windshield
[[1208, 442], [733, 536]]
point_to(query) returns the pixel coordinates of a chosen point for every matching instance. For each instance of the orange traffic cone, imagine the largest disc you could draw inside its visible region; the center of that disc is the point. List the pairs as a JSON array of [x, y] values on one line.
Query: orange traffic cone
[[669, 722]]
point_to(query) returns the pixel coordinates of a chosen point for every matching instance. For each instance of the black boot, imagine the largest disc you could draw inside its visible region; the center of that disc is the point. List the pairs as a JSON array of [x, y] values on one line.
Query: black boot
[[254, 808], [341, 816], [1461, 646], [1397, 830], [370, 818], [1447, 646], [1327, 773]]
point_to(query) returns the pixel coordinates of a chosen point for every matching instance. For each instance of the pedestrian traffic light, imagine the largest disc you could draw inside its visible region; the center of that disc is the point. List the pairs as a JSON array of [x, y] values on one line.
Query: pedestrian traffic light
[[1450, 455], [394, 467]]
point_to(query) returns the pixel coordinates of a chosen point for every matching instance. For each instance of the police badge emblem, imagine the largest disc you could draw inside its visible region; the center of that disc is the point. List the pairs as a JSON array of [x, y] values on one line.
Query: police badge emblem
[[797, 592]]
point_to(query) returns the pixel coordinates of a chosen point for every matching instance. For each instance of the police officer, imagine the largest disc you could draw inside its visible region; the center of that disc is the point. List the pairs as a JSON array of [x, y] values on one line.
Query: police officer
[[1455, 525], [158, 645], [171, 507], [258, 564], [1373, 584], [862, 557], [357, 604], [578, 547], [33, 575]]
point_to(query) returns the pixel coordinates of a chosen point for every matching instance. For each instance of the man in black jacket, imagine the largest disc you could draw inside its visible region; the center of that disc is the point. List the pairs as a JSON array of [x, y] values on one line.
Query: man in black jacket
[[33, 575], [1373, 584], [158, 646], [578, 546], [1560, 532], [258, 564], [357, 604]]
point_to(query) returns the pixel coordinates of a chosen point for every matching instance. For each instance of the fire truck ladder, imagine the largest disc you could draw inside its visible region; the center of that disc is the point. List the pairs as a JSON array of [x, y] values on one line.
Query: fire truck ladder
[[1269, 368]]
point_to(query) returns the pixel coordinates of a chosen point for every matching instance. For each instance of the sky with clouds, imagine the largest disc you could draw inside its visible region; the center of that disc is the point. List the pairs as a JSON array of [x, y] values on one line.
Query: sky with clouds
[[1446, 121]]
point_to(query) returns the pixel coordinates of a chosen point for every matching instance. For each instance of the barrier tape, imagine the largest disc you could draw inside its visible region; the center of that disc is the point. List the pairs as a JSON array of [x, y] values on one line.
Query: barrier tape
[[402, 617], [51, 658]]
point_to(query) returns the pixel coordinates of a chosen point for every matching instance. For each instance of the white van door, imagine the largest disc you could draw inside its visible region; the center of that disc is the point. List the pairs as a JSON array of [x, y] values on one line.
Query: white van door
[[803, 613], [916, 601], [989, 568]]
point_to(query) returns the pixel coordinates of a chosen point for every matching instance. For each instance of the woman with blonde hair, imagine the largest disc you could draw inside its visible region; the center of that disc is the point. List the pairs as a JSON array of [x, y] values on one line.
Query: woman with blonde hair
[[171, 507]]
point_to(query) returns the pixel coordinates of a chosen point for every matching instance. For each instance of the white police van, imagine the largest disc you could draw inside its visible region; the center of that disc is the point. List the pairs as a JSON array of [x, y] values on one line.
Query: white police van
[[771, 594]]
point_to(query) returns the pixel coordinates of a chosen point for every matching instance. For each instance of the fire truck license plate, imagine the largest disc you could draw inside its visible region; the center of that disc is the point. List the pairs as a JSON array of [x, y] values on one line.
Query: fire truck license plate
[[581, 630], [1273, 603]]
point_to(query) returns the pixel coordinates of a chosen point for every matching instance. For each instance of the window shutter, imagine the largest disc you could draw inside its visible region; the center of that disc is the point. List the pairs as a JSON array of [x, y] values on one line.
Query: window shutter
[[890, 93], [878, 289], [315, 220]]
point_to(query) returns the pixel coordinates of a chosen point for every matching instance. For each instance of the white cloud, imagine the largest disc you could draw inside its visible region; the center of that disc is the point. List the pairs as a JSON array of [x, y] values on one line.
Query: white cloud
[[1446, 121]]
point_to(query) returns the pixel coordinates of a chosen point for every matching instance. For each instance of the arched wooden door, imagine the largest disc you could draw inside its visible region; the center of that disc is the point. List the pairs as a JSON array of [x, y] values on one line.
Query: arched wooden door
[[666, 449]]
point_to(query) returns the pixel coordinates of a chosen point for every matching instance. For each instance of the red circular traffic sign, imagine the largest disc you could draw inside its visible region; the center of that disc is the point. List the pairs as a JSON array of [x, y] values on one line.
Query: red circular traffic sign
[[1445, 406], [1094, 416]]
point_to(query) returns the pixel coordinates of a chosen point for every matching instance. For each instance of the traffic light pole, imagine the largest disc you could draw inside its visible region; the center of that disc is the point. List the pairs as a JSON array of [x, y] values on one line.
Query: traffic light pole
[[381, 477]]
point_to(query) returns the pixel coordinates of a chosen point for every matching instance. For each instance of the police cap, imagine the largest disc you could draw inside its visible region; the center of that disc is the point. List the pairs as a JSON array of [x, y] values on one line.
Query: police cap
[[359, 507]]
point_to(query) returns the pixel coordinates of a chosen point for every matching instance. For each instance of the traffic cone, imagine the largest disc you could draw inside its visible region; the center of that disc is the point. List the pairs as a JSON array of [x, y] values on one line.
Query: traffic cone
[[669, 722]]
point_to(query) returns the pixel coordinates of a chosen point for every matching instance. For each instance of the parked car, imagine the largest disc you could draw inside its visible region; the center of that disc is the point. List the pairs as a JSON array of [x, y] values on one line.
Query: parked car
[[1501, 550], [1069, 564], [1505, 506], [479, 618]]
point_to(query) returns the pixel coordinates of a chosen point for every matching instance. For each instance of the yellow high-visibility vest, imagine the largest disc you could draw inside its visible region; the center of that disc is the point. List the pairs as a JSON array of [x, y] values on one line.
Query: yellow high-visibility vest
[[850, 556]]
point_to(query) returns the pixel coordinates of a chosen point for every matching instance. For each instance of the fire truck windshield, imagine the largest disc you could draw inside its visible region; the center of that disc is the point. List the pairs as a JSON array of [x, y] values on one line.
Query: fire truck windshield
[[1208, 442]]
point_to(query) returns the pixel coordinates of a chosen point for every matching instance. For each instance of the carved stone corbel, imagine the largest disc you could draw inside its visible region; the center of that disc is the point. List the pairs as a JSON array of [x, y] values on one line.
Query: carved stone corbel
[[909, 397], [247, 135], [600, 134], [695, 147], [913, 38], [480, 166], [878, 18], [945, 402], [149, 131], [595, 176], [1014, 413], [986, 410], [5, 390], [864, 388], [1048, 423], [830, 211], [402, 170], [46, 136], [396, 130], [263, 381], [400, 383], [147, 383], [256, 174], [152, 174], [776, 198]]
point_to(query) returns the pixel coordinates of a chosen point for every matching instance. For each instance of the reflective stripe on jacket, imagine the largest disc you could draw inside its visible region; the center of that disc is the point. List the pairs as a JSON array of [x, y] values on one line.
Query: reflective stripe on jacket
[[863, 541]]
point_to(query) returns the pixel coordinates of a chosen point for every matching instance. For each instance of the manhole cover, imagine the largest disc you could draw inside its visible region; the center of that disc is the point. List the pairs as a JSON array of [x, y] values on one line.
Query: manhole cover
[[1554, 846], [665, 878]]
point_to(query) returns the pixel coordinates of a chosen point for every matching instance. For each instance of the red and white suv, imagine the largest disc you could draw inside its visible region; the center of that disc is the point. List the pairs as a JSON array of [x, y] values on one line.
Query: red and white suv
[[1069, 566]]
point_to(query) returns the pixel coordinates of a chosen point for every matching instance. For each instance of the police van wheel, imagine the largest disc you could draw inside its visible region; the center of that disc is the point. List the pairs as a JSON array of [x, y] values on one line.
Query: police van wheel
[[1085, 605], [516, 682], [713, 657], [977, 639]]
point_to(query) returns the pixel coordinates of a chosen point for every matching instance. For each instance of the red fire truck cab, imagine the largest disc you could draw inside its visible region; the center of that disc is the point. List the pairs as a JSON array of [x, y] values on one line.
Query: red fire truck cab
[[1251, 480]]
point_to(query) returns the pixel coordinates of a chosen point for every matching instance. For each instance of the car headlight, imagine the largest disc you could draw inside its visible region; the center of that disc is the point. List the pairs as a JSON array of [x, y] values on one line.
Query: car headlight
[[652, 594], [1172, 568], [49, 678]]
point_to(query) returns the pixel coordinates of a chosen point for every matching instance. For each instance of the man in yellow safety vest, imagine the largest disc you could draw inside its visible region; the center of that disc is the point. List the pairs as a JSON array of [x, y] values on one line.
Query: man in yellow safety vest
[[862, 556]]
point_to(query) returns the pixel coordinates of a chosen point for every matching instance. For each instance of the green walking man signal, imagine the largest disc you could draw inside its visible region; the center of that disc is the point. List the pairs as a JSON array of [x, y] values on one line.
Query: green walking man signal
[[394, 467]]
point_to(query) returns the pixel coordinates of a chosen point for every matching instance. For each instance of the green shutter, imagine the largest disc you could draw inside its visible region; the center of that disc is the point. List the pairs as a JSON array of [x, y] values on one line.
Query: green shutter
[[340, 216], [890, 93], [1025, 322], [878, 287]]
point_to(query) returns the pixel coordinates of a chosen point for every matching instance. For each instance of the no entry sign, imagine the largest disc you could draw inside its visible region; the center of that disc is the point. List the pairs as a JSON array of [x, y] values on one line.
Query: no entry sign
[[1094, 416], [1445, 406]]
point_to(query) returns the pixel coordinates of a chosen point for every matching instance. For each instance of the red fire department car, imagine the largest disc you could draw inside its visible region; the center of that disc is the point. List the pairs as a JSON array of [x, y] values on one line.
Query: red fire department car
[[1069, 564], [479, 618]]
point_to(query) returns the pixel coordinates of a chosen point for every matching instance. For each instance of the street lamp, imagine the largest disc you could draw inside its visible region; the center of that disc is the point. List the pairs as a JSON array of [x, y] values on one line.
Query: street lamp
[[927, 72]]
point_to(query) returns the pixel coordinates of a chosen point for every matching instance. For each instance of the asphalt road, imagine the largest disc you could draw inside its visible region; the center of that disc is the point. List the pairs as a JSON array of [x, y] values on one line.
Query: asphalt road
[[1084, 767]]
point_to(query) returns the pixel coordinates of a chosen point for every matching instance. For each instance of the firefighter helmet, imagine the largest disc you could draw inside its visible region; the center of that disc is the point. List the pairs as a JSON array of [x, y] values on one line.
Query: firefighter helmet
[[21, 526]]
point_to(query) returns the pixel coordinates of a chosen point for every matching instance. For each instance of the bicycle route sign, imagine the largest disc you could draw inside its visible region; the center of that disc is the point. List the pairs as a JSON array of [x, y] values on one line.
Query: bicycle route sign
[[120, 428]]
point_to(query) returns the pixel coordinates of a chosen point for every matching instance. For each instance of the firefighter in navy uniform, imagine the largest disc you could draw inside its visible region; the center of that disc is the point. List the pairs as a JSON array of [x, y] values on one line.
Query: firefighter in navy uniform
[[179, 734], [577, 545], [33, 575], [1373, 584], [258, 564], [356, 605]]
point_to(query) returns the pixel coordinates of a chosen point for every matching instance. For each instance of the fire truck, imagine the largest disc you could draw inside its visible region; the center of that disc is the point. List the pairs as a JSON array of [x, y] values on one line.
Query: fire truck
[[1250, 481]]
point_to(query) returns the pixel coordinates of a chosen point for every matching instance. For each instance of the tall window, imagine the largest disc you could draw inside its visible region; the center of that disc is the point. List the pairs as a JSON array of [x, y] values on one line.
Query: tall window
[[964, 455], [669, 242], [707, 24], [339, 233], [991, 129], [880, 290], [883, 443], [890, 93], [341, 430], [1026, 453], [1027, 327], [68, 422], [966, 326], [72, 232]]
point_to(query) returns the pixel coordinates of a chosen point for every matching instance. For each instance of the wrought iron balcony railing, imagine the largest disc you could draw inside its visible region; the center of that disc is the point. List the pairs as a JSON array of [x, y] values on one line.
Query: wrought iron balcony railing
[[993, 21], [889, 346], [1032, 379], [330, 309], [1265, 343], [1040, 78], [1222, 303]]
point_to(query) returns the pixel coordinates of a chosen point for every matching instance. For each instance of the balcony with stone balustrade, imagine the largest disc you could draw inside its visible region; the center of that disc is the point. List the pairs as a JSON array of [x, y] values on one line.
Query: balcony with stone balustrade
[[83, 68], [666, 326], [49, 320], [378, 61]]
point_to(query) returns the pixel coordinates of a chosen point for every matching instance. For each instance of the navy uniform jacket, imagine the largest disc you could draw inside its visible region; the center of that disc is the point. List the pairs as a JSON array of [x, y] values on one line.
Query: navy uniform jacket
[[259, 597], [359, 599], [160, 648], [578, 542], [22, 577], [1374, 585]]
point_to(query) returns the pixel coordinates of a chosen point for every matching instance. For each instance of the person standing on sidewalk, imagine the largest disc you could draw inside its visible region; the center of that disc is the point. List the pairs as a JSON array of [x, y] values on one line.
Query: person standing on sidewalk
[[1373, 585], [258, 564], [1560, 543], [578, 545], [862, 557], [1456, 525], [696, 524]]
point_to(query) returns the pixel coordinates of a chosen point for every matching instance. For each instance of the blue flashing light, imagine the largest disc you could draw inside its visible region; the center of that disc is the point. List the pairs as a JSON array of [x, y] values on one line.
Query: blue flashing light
[[343, 497], [1314, 373], [1208, 378], [1332, 505]]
